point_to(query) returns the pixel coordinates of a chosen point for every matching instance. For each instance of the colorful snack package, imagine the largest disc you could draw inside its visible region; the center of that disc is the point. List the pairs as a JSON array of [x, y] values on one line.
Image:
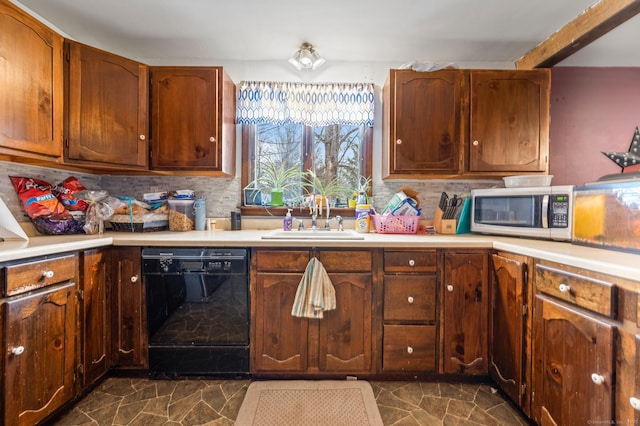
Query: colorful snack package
[[66, 192], [38, 200]]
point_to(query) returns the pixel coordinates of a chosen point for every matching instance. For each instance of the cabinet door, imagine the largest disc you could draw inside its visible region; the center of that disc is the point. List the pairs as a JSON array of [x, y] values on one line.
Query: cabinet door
[[31, 113], [39, 356], [509, 122], [129, 347], [507, 326], [186, 118], [422, 118], [465, 313], [95, 320], [345, 333], [571, 350], [107, 108], [280, 342]]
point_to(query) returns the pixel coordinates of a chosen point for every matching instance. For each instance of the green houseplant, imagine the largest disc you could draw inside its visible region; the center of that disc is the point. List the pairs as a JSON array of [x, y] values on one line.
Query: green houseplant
[[276, 179], [322, 190]]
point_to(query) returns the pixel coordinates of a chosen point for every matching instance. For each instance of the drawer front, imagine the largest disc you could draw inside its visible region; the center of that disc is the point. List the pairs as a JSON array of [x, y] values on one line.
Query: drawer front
[[410, 261], [409, 348], [27, 276], [410, 297], [587, 292], [346, 261], [282, 260]]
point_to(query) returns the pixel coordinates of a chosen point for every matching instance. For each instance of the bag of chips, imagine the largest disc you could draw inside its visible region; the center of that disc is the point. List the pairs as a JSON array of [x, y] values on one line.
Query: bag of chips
[[66, 192], [45, 210]]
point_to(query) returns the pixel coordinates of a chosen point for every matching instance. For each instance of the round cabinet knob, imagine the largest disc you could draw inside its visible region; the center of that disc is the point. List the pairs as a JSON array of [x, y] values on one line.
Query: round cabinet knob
[[47, 274], [412, 262], [476, 143], [410, 299], [142, 137], [450, 288], [564, 288], [212, 139], [18, 350], [597, 379], [134, 279], [635, 403], [409, 350], [399, 142]]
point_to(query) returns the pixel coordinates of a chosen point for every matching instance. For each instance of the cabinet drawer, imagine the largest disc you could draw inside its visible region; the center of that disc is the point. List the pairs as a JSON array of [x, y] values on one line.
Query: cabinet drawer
[[282, 260], [410, 261], [588, 292], [346, 261], [410, 297], [409, 348], [30, 275]]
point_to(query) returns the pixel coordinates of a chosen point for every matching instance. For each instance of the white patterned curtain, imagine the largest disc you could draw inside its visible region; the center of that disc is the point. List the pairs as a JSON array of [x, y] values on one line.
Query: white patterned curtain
[[311, 104]]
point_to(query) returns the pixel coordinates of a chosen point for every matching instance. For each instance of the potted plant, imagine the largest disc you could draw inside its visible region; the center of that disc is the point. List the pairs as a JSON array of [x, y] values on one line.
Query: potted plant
[[322, 191], [276, 180]]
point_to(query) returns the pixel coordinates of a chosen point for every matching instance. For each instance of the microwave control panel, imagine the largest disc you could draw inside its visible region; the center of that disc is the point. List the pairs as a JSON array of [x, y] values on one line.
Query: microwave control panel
[[559, 211]]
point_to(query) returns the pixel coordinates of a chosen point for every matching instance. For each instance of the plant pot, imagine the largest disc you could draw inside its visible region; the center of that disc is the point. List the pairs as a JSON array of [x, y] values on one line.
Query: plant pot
[[252, 197], [276, 197]]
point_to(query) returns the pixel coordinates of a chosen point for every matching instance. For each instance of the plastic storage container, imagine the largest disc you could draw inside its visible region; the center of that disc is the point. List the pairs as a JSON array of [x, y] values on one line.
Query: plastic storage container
[[181, 215], [527, 181]]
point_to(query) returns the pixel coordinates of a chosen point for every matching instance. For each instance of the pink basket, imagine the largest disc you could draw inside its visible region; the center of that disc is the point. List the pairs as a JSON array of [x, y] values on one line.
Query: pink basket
[[395, 224]]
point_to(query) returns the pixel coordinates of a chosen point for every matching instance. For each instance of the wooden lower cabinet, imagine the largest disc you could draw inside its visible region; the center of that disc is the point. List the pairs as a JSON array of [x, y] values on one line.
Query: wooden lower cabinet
[[410, 330], [95, 316], [509, 341], [465, 307], [129, 345], [339, 343], [574, 365], [39, 362]]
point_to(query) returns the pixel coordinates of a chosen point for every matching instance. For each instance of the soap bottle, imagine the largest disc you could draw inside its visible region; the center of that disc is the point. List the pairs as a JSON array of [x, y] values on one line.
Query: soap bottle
[[288, 221]]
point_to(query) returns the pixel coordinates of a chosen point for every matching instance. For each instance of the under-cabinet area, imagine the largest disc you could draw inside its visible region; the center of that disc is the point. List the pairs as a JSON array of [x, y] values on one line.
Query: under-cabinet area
[[540, 331]]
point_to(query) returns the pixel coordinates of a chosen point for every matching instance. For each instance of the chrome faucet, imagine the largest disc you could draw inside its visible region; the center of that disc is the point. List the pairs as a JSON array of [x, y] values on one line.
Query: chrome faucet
[[340, 224]]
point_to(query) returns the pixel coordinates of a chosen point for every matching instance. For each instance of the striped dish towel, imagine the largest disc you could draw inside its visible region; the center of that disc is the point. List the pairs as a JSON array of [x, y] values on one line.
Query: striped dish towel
[[315, 293]]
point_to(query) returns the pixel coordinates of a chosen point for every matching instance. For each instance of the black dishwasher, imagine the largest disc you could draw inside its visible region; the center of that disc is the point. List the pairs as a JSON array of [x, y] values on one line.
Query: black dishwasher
[[197, 310]]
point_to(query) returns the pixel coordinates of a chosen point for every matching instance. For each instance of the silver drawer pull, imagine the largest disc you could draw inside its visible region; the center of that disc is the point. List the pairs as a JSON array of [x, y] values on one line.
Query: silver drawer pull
[[410, 299], [409, 350], [47, 274], [564, 288], [635, 403], [597, 379], [134, 279], [412, 262], [450, 288], [18, 350]]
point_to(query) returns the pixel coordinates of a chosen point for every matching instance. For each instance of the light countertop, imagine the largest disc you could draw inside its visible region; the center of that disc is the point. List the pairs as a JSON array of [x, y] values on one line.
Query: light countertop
[[625, 265]]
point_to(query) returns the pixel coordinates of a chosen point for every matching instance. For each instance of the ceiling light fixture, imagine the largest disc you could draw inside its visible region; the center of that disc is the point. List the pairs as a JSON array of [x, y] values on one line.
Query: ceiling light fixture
[[306, 58]]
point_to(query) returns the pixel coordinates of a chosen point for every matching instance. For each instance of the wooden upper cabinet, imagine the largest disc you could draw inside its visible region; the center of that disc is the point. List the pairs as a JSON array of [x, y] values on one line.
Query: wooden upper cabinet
[[422, 123], [509, 121], [193, 116], [31, 85], [107, 109]]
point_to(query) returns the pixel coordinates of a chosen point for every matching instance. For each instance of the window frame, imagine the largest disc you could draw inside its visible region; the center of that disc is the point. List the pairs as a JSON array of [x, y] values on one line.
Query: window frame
[[248, 151]]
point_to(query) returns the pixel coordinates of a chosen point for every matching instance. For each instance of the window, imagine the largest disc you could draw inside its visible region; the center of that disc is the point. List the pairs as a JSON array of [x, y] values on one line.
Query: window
[[334, 140]]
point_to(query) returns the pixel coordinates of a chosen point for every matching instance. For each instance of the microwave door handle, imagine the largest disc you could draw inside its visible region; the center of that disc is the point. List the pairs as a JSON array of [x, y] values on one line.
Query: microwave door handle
[[545, 211]]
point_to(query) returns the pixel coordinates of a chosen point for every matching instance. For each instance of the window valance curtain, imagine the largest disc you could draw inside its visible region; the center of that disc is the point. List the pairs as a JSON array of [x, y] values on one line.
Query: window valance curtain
[[312, 104]]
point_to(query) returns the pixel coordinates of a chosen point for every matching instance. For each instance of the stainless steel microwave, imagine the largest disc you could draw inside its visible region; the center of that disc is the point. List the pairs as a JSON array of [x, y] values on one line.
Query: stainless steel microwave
[[535, 212]]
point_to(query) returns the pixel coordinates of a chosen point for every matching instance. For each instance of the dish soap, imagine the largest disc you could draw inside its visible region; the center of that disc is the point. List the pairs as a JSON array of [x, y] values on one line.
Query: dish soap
[[288, 221]]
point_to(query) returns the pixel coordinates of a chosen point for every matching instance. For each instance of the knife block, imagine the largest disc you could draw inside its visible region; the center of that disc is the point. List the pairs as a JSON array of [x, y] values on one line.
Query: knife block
[[444, 226]]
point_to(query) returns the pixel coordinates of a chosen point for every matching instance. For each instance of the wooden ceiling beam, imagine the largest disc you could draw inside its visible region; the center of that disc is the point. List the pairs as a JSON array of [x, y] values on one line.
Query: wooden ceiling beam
[[594, 22]]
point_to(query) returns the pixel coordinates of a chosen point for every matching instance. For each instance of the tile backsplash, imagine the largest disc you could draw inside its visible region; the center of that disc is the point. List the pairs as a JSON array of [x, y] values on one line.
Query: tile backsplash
[[222, 194]]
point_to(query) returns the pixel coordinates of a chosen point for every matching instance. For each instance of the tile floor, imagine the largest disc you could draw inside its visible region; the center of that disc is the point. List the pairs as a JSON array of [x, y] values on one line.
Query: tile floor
[[140, 401]]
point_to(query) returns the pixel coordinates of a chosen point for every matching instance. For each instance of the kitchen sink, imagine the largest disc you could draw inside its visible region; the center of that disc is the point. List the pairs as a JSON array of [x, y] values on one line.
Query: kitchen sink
[[313, 234]]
